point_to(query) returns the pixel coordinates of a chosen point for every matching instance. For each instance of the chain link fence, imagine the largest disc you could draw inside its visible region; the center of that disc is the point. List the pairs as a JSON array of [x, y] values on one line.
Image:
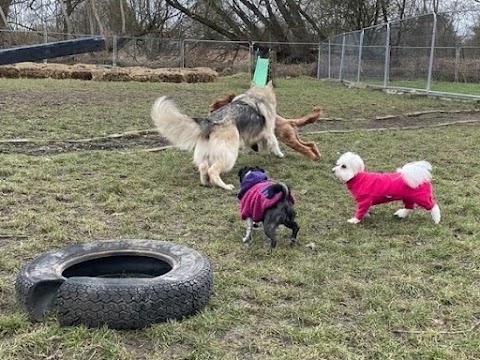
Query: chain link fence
[[432, 53], [226, 57]]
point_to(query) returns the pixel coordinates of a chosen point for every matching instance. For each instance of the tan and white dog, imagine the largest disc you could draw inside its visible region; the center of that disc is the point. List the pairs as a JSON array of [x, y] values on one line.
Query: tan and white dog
[[216, 139]]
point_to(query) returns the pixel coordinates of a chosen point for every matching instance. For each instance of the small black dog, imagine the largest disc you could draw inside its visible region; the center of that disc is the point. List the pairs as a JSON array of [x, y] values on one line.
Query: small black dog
[[267, 201]]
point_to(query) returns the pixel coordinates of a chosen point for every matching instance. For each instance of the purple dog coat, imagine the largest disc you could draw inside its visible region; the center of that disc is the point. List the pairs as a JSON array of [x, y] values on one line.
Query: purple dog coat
[[253, 196]]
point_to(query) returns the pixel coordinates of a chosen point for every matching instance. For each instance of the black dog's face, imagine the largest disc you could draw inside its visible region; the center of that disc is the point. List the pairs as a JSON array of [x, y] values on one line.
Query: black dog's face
[[244, 170]]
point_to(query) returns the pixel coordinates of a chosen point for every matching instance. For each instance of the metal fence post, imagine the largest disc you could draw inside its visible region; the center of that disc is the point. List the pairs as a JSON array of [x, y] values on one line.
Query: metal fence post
[[45, 39], [360, 47], [182, 54], [458, 53], [341, 58], [386, 70], [432, 53], [329, 58], [114, 51], [318, 60], [250, 63]]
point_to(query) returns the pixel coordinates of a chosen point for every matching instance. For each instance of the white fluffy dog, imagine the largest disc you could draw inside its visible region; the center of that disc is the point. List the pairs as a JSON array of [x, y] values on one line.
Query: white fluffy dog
[[410, 184]]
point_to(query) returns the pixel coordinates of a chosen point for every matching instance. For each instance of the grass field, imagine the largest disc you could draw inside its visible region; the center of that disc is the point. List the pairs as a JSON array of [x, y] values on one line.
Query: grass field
[[383, 289]]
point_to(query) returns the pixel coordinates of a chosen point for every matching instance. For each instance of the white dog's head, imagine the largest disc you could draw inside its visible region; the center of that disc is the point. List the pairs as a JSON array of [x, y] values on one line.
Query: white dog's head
[[348, 165]]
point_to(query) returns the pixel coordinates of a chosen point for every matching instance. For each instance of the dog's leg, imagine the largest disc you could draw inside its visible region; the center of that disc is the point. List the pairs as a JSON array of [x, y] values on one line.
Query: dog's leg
[[203, 169], [427, 203], [362, 209], [292, 224], [248, 234], [270, 232], [214, 174], [353, 220], [407, 209], [435, 212], [313, 148], [272, 145], [292, 140], [402, 213]]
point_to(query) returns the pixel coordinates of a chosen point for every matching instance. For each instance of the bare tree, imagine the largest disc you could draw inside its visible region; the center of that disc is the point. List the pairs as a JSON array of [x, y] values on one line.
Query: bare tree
[[97, 17], [278, 20], [4, 10], [122, 14], [66, 6]]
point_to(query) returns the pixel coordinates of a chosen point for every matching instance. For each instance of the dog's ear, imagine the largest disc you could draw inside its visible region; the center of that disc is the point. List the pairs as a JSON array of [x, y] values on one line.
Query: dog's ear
[[241, 171], [269, 85]]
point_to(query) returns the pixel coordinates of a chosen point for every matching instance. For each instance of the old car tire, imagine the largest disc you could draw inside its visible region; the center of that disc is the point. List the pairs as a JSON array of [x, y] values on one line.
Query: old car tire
[[124, 284]]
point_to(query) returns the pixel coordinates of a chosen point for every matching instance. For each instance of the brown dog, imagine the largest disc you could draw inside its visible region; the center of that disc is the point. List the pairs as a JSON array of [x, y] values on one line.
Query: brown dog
[[286, 130]]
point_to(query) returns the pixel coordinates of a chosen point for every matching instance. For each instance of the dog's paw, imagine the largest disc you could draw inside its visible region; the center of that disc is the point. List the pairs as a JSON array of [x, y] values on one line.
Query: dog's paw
[[280, 155], [229, 187], [402, 213], [353, 220], [246, 239]]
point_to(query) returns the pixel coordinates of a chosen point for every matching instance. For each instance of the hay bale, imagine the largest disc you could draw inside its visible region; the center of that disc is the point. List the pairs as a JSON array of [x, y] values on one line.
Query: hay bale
[[31, 70], [93, 72], [158, 77], [81, 74], [138, 73], [9, 71], [97, 75], [173, 75], [56, 71], [116, 75], [200, 74]]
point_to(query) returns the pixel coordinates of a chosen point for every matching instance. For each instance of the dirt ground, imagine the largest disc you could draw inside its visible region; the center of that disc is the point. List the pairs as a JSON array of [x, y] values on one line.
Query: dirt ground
[[149, 139]]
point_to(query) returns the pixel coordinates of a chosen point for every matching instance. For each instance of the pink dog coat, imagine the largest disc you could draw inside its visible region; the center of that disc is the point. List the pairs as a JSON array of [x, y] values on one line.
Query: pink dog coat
[[370, 188], [253, 196]]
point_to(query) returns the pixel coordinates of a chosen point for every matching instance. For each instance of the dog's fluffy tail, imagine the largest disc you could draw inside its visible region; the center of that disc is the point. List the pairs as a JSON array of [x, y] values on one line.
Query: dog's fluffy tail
[[277, 188], [416, 173], [307, 119], [181, 130]]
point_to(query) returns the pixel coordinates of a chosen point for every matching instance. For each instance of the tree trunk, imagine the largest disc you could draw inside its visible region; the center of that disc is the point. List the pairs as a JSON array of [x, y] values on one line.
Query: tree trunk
[[66, 6], [122, 14], [4, 9], [97, 17]]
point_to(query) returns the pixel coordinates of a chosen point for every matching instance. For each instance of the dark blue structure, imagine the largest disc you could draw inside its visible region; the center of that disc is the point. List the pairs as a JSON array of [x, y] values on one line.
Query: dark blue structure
[[52, 50]]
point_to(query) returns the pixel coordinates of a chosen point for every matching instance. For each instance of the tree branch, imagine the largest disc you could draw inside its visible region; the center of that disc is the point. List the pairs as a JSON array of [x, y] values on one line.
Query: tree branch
[[211, 24]]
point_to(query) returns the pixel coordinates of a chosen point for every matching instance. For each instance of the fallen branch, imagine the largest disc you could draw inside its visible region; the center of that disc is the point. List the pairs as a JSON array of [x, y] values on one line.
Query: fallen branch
[[115, 136], [416, 127], [12, 236], [93, 139], [420, 113], [156, 149], [472, 328], [17, 141]]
